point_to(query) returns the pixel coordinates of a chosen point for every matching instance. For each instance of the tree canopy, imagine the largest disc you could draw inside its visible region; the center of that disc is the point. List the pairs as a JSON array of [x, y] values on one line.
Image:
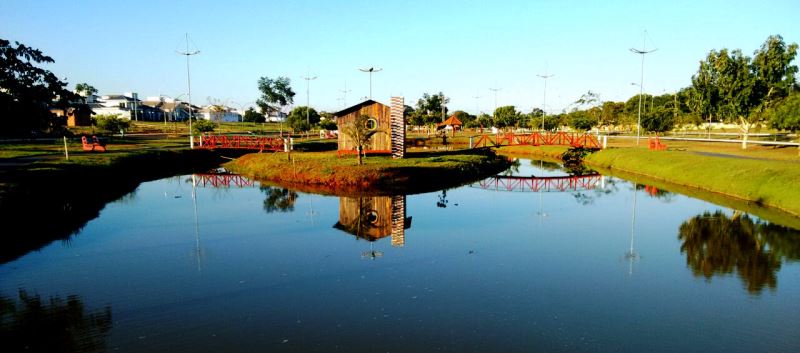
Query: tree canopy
[[27, 91], [297, 118], [275, 94]]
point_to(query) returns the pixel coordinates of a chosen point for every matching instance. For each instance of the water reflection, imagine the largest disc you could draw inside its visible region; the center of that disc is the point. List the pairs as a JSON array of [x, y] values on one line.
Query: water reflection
[[279, 199], [373, 218], [716, 244], [30, 324]]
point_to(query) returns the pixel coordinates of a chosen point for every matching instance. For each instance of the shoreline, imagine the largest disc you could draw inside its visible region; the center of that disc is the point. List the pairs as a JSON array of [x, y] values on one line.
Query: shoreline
[[756, 186]]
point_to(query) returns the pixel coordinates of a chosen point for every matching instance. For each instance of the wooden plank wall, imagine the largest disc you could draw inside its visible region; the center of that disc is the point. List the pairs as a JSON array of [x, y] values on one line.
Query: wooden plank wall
[[380, 141]]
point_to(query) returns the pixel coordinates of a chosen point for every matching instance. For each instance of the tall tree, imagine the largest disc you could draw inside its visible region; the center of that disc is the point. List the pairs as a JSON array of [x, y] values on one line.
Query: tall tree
[[85, 89], [786, 115], [275, 94], [360, 133], [507, 116], [297, 118], [27, 91], [775, 74], [429, 108], [737, 88]]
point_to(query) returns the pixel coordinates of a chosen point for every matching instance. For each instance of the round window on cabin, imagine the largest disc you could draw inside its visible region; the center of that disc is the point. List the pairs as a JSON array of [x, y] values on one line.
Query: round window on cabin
[[372, 124], [372, 216]]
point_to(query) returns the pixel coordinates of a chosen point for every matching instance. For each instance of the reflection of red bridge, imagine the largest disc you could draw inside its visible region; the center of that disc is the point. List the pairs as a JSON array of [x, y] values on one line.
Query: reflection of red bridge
[[535, 184], [223, 180], [261, 143], [538, 139]]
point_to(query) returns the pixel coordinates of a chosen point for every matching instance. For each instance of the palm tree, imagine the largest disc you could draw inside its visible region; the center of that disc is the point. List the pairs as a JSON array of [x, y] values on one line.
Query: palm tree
[[360, 133]]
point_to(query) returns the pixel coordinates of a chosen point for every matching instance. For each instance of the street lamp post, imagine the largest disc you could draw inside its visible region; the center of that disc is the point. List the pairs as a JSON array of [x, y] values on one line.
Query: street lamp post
[[495, 96], [188, 53], [308, 99], [544, 97], [370, 70], [641, 52]]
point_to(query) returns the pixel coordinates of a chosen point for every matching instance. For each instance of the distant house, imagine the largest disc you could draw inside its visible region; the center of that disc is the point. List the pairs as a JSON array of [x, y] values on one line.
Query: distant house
[[175, 110], [219, 113], [127, 106], [80, 115], [276, 117], [380, 116]]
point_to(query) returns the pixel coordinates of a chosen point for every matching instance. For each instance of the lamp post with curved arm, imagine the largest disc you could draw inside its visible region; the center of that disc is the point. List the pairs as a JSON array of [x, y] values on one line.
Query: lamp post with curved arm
[[370, 70]]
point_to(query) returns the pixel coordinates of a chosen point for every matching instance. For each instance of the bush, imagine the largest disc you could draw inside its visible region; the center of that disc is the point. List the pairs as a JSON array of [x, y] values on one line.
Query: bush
[[203, 126], [328, 124], [111, 123]]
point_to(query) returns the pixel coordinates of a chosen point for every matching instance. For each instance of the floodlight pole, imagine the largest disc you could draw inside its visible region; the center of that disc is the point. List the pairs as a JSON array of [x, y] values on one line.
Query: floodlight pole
[[642, 52], [188, 53], [495, 97], [370, 70], [308, 100], [544, 98], [344, 92]]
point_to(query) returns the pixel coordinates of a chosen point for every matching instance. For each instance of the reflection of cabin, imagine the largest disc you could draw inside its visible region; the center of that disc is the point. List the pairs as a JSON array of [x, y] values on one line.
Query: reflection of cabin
[[381, 115], [373, 218]]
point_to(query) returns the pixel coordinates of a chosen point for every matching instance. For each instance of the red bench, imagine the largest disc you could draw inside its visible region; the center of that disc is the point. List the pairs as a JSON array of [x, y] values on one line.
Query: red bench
[[94, 146], [655, 144]]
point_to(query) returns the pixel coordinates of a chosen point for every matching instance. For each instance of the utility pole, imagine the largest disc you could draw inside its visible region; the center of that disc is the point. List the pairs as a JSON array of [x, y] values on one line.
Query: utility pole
[[370, 70], [544, 98], [188, 53], [642, 52], [477, 108], [344, 92], [495, 96], [443, 109], [308, 100]]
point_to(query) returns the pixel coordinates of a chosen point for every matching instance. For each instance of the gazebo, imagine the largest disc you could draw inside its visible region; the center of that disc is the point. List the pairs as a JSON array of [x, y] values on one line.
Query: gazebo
[[452, 122]]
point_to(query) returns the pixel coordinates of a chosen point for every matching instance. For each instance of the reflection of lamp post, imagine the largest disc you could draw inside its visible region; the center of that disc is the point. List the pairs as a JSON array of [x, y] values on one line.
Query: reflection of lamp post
[[631, 255], [196, 224]]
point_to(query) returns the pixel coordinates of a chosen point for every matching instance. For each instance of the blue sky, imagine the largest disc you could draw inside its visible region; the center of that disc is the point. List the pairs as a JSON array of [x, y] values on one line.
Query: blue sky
[[459, 47]]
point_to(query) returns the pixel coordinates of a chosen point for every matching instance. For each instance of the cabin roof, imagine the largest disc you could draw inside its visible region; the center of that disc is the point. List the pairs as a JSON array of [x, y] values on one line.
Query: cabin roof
[[356, 107]]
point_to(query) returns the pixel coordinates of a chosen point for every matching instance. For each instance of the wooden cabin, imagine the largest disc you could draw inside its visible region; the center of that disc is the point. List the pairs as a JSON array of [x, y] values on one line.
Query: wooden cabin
[[381, 142]]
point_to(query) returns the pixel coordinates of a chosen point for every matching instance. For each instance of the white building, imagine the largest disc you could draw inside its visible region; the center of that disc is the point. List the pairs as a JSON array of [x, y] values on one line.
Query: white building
[[219, 113]]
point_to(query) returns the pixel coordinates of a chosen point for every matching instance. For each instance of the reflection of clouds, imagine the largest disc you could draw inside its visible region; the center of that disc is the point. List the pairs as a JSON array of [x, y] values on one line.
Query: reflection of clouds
[[30, 324], [716, 244]]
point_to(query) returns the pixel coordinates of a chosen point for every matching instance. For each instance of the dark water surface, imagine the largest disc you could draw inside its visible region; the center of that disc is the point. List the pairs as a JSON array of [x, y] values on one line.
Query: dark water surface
[[585, 264]]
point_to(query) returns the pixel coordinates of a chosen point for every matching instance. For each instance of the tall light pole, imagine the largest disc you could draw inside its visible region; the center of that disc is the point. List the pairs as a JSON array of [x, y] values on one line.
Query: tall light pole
[[345, 91], [477, 107], [370, 70], [188, 53], [544, 96], [495, 96], [308, 100], [642, 52]]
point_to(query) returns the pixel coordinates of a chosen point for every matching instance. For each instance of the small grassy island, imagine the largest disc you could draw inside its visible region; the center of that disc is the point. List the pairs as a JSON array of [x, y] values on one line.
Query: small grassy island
[[324, 172]]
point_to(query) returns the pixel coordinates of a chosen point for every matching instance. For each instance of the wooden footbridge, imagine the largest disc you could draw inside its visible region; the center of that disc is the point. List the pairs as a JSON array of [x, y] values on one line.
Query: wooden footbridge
[[536, 184], [220, 180], [243, 142], [535, 139]]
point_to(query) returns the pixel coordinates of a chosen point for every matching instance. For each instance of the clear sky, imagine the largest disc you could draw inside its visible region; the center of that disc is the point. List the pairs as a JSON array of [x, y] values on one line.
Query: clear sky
[[461, 48]]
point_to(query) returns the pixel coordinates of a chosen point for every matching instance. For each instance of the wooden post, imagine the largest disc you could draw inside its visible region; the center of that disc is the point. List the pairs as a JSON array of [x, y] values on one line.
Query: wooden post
[[66, 150]]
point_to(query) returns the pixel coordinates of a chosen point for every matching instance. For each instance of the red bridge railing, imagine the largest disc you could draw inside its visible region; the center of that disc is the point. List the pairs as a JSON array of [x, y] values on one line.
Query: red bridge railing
[[260, 143], [538, 139], [536, 184], [223, 180]]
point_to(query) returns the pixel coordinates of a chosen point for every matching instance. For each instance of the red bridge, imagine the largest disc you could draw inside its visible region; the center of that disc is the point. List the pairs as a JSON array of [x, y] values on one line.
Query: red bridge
[[246, 142], [223, 180], [536, 184], [538, 139]]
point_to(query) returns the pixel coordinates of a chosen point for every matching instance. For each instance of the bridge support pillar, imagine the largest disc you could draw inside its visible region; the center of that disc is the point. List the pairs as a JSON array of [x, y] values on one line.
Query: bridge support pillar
[[471, 142], [605, 141]]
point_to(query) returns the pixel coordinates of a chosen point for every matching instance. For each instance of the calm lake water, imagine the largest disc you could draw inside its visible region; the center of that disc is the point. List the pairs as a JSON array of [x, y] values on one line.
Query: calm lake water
[[556, 264]]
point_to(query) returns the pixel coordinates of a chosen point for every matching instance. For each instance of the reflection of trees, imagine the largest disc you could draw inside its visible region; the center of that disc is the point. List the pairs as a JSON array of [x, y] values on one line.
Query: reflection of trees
[[442, 202], [716, 244], [655, 192], [58, 325], [513, 169], [279, 199]]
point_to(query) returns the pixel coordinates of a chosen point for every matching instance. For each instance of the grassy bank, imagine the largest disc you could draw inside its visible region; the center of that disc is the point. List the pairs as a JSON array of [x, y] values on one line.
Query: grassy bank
[[745, 182], [323, 172], [764, 182]]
